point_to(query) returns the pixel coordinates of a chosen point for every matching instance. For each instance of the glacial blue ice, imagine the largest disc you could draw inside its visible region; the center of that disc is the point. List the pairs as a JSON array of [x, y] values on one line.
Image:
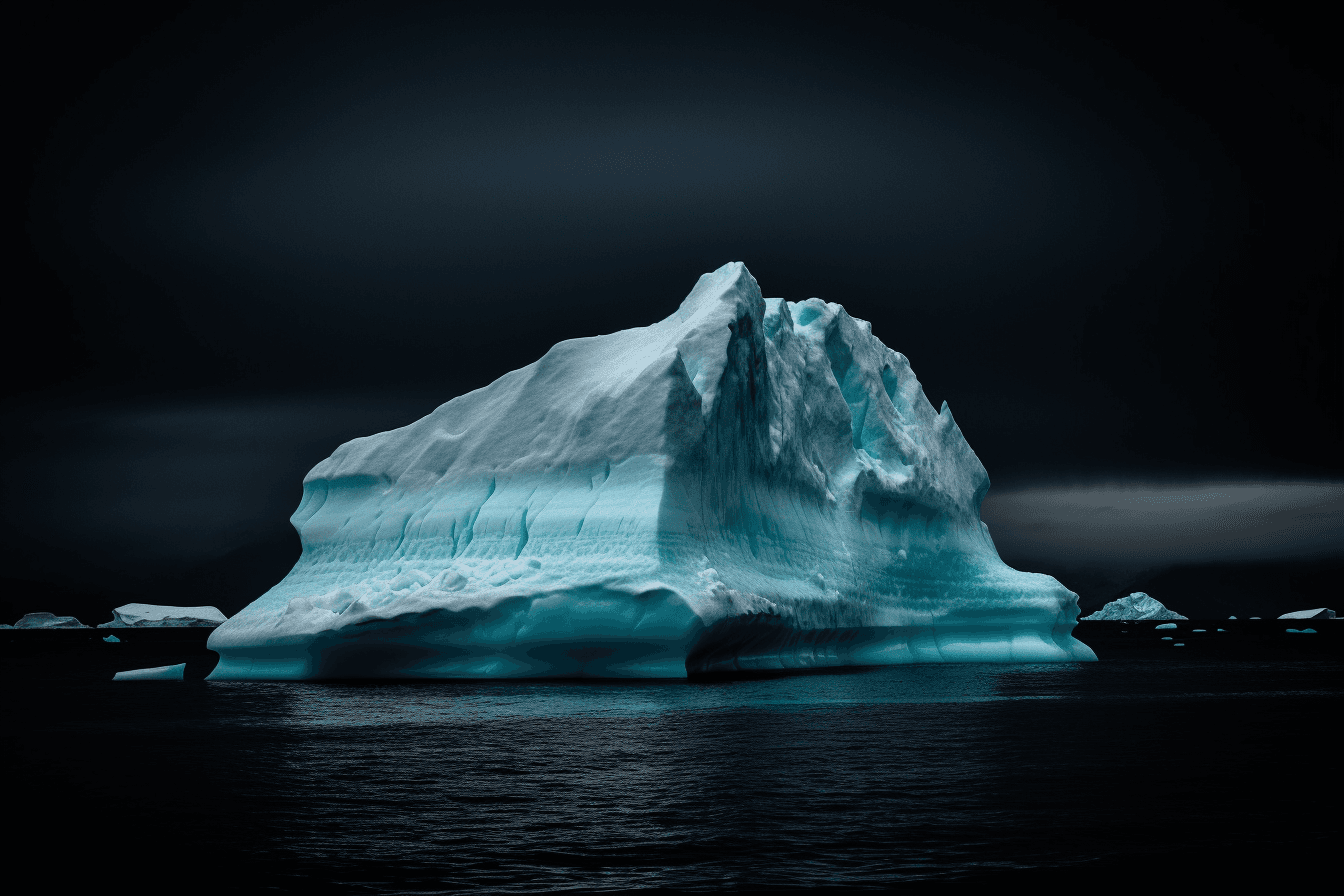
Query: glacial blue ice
[[155, 616], [748, 484], [1134, 607], [157, 673]]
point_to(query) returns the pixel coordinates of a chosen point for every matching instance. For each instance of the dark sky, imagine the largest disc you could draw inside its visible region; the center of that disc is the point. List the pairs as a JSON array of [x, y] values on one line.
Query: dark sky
[[1108, 237]]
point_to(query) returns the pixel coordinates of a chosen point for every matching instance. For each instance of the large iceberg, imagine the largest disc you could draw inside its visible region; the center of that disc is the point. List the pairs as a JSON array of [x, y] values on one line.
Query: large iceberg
[[1136, 606], [155, 616], [748, 484]]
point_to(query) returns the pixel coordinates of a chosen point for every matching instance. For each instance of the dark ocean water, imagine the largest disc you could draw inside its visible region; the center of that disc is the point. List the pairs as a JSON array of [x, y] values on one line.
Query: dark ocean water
[[1136, 768]]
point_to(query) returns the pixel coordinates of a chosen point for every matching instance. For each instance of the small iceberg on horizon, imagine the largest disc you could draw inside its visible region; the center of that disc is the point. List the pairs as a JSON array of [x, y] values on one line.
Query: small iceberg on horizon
[[154, 616], [48, 620], [112, 639], [1137, 606], [1318, 613], [157, 673]]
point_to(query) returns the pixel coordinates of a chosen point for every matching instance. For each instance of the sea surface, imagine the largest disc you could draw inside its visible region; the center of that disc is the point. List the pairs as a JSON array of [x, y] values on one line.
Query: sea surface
[[1138, 768]]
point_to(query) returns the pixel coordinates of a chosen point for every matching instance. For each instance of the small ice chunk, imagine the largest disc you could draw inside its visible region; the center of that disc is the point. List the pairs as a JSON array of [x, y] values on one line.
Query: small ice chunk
[[1222, 629], [1178, 644], [1231, 617], [1167, 625], [112, 639], [158, 673], [1301, 631], [1167, 638], [1201, 629]]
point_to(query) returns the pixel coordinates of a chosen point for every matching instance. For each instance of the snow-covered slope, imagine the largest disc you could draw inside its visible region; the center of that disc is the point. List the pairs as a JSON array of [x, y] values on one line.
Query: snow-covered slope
[[1136, 606], [747, 484], [155, 616], [1318, 613]]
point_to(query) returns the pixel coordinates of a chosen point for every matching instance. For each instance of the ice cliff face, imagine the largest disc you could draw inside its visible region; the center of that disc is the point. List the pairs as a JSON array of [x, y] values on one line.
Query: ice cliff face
[[750, 483]]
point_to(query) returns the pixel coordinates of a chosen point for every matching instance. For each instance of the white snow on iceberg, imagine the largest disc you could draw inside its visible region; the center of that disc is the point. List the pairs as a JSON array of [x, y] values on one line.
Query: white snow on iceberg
[[157, 673], [747, 484], [1318, 613], [48, 620], [1136, 606], [151, 615]]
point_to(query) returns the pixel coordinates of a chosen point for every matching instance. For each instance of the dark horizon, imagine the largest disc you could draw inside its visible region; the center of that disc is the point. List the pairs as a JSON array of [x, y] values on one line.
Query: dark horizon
[[251, 235]]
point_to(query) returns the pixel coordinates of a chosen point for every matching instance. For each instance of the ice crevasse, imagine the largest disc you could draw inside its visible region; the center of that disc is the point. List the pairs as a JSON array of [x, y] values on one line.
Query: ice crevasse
[[748, 484]]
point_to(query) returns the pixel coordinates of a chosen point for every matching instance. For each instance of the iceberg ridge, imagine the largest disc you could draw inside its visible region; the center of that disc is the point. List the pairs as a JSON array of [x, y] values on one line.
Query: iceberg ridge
[[748, 484]]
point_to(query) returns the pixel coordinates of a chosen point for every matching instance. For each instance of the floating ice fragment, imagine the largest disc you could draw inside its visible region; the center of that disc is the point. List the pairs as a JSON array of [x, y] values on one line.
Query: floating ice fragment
[[157, 673], [112, 639], [1166, 625], [1318, 613], [1167, 638]]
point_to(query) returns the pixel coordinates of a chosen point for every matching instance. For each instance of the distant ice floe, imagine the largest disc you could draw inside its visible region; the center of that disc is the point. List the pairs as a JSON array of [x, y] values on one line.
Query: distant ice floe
[[1318, 613], [47, 620], [157, 673], [154, 616], [1137, 606], [748, 484]]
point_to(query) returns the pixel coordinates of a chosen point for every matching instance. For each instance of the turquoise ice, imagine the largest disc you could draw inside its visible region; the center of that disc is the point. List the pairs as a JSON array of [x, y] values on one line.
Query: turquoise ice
[[748, 484]]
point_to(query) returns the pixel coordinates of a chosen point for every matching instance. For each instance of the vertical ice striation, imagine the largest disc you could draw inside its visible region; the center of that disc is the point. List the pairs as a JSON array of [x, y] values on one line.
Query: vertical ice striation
[[747, 484]]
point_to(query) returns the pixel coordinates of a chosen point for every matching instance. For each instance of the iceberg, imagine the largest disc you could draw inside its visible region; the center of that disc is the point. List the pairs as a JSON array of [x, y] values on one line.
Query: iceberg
[[112, 639], [48, 620], [157, 673], [1318, 613], [151, 615], [1134, 607], [748, 484]]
